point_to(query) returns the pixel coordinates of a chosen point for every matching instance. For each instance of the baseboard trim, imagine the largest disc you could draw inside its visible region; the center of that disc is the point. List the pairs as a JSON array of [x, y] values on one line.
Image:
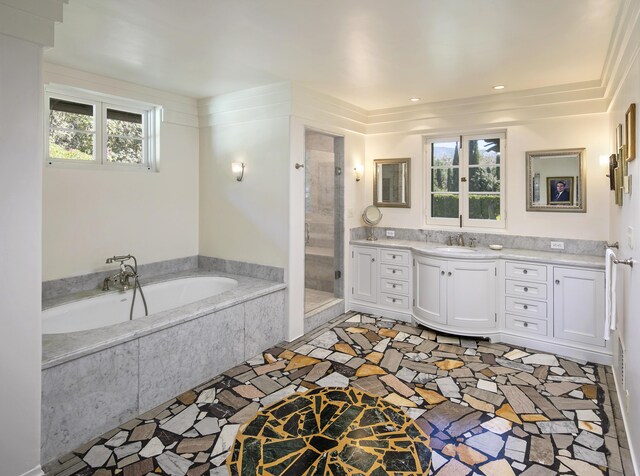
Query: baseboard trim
[[619, 393], [37, 471]]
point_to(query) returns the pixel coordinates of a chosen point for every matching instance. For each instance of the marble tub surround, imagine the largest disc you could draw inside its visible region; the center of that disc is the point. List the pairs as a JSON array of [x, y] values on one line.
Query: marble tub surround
[[56, 288], [260, 271], [59, 288], [441, 237], [59, 348], [488, 408], [94, 380], [484, 252]]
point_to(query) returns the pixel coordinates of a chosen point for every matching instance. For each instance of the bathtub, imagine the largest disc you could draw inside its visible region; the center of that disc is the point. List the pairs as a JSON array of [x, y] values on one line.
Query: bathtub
[[114, 307], [96, 376]]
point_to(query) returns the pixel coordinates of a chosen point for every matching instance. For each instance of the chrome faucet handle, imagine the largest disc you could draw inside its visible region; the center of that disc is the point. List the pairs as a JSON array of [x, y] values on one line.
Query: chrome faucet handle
[[472, 243]]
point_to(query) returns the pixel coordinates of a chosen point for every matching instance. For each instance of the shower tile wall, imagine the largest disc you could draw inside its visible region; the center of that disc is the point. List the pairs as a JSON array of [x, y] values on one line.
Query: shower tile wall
[[319, 206]]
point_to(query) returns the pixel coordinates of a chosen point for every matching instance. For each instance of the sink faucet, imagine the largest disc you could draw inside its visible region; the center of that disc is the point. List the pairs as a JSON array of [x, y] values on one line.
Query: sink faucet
[[460, 240], [124, 275]]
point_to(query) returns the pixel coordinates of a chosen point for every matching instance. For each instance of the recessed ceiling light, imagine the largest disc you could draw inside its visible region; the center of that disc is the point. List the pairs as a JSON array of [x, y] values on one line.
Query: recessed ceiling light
[[414, 99], [498, 86]]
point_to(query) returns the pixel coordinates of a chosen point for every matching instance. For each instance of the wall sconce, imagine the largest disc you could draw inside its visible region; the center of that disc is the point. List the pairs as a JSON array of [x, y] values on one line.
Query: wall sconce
[[358, 170], [238, 170]]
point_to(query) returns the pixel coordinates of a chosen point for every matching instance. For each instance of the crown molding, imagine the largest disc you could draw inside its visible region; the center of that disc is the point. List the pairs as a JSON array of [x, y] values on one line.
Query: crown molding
[[623, 49], [31, 20]]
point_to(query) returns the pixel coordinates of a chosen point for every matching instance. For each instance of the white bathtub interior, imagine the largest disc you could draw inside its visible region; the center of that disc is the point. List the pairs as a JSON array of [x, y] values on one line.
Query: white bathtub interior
[[114, 307]]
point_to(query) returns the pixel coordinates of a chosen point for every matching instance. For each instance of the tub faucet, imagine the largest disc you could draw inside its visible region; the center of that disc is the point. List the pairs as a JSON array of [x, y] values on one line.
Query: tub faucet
[[460, 240], [124, 275]]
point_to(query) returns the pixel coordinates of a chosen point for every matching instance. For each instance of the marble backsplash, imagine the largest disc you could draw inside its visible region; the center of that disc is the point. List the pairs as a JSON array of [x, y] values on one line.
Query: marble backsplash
[[87, 282], [537, 243]]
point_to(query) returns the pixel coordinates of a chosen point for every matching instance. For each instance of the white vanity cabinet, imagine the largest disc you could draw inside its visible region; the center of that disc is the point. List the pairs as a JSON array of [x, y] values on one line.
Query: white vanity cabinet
[[543, 304], [560, 307], [526, 298], [381, 281], [578, 305], [364, 269], [460, 294]]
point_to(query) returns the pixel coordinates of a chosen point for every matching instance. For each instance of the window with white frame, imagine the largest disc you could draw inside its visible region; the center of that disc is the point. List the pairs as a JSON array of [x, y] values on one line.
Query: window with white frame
[[465, 180], [90, 128]]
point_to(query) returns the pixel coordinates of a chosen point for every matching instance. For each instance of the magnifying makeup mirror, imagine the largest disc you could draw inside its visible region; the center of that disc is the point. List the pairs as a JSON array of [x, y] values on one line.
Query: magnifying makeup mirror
[[371, 216]]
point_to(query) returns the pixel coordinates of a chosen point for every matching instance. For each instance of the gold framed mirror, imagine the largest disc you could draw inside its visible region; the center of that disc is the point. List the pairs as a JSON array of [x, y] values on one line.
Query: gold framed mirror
[[391, 180], [556, 181]]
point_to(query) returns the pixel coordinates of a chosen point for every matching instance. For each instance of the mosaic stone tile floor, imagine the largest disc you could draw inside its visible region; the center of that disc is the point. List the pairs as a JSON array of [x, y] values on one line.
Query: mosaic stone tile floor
[[488, 408]]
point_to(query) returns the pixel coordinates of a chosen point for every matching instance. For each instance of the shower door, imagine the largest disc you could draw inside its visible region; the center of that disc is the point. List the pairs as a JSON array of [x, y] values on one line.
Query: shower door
[[323, 205]]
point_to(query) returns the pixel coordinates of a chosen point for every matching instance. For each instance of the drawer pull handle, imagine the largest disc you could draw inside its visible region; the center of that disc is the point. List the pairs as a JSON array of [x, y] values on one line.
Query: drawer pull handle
[[393, 256], [525, 307], [373, 259], [557, 281], [393, 271], [393, 300], [442, 273], [524, 271], [449, 273], [393, 286], [526, 290], [526, 324]]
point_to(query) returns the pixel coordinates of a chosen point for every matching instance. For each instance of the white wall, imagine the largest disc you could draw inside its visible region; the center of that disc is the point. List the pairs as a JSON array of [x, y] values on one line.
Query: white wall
[[91, 214], [629, 279], [20, 257], [588, 131], [245, 221]]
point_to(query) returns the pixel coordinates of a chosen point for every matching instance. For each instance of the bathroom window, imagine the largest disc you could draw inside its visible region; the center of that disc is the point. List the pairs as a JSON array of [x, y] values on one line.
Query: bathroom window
[[465, 181], [91, 129]]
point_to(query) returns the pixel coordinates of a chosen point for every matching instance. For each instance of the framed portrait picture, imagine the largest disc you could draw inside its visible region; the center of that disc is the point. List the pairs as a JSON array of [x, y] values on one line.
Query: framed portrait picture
[[630, 128], [560, 190]]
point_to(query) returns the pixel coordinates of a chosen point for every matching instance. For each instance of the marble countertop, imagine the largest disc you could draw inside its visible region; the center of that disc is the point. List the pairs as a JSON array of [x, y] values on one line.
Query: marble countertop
[[60, 348], [483, 252]]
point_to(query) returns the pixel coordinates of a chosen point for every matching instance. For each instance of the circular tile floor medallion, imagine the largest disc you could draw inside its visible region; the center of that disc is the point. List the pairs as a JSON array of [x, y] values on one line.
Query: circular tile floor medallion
[[339, 431]]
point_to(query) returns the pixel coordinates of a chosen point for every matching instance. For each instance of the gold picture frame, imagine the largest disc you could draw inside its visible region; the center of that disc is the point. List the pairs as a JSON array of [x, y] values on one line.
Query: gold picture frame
[[630, 129]]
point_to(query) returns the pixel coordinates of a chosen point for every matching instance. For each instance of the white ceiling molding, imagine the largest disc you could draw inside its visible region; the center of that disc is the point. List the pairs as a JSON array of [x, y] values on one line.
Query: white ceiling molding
[[31, 20], [623, 49]]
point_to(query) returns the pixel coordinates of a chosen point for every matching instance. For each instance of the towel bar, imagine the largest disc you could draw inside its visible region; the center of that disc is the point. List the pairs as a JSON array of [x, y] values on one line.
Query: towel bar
[[628, 262], [613, 245]]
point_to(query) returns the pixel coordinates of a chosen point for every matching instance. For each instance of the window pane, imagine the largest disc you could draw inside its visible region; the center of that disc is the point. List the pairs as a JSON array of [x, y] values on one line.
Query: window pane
[[444, 205], [67, 144], [484, 179], [124, 151], [484, 207], [444, 154], [70, 115], [484, 152], [444, 179], [121, 123]]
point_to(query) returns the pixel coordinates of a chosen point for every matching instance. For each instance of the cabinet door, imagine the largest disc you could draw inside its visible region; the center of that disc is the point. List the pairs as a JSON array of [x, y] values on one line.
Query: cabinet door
[[430, 289], [364, 275], [578, 305], [471, 299]]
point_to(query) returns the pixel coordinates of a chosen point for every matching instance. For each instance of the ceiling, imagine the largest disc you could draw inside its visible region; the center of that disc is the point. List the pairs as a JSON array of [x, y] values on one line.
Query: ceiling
[[375, 54]]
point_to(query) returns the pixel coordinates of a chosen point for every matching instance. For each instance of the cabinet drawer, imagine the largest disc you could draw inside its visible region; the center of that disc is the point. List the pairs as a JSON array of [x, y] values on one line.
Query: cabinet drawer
[[394, 301], [527, 325], [394, 286], [394, 271], [533, 272], [526, 289], [527, 307], [394, 256]]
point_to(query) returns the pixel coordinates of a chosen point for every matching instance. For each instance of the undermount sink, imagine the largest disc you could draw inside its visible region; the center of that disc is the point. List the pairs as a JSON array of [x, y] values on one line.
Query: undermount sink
[[455, 249]]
